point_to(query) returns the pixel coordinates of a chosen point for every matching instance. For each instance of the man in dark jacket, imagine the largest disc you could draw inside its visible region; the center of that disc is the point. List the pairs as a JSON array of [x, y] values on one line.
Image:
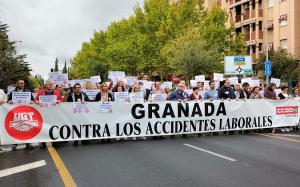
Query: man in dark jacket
[[226, 92], [78, 96], [244, 93], [20, 87]]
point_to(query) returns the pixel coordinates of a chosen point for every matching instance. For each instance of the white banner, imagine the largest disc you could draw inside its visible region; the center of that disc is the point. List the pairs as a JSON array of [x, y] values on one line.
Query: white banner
[[31, 123]]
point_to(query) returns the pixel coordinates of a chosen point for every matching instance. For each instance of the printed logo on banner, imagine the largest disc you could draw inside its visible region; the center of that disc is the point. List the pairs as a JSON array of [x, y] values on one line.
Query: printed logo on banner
[[287, 110], [23, 123]]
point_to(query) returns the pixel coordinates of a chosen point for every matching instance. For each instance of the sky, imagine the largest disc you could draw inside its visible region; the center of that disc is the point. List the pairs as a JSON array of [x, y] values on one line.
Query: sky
[[46, 29]]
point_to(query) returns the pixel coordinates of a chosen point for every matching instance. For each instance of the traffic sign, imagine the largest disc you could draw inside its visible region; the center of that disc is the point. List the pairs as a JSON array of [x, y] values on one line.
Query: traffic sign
[[268, 72], [268, 65], [268, 68]]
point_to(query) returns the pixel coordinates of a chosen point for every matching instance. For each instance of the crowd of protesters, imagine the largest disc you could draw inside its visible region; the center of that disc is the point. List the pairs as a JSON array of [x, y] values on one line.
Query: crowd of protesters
[[178, 92]]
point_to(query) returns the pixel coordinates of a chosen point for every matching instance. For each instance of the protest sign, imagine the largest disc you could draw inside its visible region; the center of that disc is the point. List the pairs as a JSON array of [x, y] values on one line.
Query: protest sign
[[166, 84], [218, 77], [200, 78], [95, 79], [158, 97], [21, 97], [233, 80], [193, 83], [58, 78], [47, 101], [131, 80], [121, 96], [136, 97], [275, 81], [105, 107], [79, 107], [91, 94]]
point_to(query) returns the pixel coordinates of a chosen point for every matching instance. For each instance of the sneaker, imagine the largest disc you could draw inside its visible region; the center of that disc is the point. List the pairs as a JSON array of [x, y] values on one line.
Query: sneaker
[[14, 147], [134, 138], [282, 129]]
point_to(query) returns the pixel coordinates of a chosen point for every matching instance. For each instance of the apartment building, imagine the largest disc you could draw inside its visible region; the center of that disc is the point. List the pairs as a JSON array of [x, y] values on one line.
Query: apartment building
[[265, 23]]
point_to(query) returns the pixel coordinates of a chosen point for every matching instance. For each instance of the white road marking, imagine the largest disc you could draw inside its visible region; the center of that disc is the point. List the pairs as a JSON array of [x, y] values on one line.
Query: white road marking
[[25, 167], [210, 152]]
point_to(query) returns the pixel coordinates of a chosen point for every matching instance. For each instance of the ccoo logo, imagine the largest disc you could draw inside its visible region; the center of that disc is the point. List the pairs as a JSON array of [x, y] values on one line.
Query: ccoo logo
[[23, 123], [287, 110]]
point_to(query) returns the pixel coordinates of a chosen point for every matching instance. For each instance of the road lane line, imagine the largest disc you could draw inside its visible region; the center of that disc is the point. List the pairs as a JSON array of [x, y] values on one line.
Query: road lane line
[[62, 169], [210, 152], [277, 137], [287, 135], [22, 168]]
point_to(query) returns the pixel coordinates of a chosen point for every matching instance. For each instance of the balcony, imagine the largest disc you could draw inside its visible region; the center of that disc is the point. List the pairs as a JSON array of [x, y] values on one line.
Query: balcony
[[261, 13], [253, 14], [238, 18], [260, 55], [247, 36], [261, 35], [253, 35], [246, 15], [253, 57]]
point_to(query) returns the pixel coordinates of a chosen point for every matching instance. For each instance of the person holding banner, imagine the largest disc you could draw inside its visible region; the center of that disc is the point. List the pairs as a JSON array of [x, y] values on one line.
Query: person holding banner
[[270, 92], [168, 92], [77, 95], [88, 85], [255, 93], [119, 87], [20, 87], [295, 93], [104, 95], [195, 94], [157, 89], [49, 90], [211, 93], [3, 97], [179, 94], [244, 93], [284, 94], [226, 92]]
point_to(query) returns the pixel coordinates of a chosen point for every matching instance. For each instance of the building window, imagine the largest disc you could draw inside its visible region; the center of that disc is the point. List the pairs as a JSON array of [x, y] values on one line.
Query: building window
[[270, 4], [283, 20], [260, 47], [284, 44]]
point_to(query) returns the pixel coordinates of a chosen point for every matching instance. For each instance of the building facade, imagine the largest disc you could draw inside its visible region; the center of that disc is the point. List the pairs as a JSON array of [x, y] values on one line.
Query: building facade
[[266, 24]]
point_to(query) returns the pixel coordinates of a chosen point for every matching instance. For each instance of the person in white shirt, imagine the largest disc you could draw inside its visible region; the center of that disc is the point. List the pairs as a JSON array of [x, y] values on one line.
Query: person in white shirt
[[3, 97]]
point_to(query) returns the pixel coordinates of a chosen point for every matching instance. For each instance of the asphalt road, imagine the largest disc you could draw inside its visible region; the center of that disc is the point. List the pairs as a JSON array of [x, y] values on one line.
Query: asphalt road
[[237, 160]]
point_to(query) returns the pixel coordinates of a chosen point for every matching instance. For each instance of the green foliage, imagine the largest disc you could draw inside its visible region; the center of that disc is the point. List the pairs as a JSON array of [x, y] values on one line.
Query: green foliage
[[152, 40], [65, 68], [56, 65], [187, 55], [12, 65], [284, 65]]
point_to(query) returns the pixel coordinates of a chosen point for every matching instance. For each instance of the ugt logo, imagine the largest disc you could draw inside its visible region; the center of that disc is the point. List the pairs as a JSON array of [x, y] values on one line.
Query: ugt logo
[[23, 123]]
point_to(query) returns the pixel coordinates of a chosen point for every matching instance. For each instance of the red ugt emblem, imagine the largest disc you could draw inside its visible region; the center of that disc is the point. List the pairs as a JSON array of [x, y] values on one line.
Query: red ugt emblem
[[23, 123]]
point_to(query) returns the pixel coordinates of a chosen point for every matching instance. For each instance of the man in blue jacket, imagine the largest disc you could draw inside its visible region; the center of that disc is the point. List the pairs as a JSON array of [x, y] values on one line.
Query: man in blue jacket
[[179, 93]]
